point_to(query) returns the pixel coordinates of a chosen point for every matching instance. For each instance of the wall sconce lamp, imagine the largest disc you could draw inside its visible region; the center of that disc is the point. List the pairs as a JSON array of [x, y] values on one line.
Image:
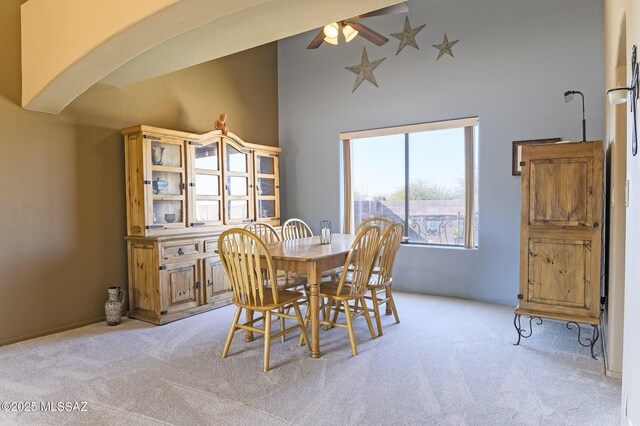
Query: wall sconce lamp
[[618, 95], [568, 97]]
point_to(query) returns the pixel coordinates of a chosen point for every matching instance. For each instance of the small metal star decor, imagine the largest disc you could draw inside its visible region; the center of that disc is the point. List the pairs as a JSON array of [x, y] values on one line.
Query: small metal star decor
[[365, 70], [445, 46], [408, 35]]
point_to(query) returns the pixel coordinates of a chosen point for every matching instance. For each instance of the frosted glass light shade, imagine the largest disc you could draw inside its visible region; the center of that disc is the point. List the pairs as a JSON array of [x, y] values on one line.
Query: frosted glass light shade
[[331, 30], [618, 95], [348, 32], [333, 41]]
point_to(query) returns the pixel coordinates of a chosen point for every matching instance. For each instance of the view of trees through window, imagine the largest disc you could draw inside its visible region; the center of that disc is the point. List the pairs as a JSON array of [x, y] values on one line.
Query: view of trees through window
[[423, 172]]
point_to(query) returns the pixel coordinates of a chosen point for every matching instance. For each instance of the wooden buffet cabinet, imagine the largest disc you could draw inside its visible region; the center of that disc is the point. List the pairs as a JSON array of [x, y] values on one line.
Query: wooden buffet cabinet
[[183, 190]]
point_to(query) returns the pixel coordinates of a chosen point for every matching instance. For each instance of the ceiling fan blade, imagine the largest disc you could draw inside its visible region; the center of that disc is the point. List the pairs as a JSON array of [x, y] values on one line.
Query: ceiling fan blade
[[317, 41], [366, 32], [390, 10]]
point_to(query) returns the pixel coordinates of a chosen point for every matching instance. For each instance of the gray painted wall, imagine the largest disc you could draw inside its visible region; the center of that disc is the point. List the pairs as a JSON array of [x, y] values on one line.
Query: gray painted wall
[[511, 67]]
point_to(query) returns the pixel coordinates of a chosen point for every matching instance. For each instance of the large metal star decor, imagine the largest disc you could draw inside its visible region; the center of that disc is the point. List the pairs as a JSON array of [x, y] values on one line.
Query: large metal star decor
[[408, 35], [445, 47], [365, 70]]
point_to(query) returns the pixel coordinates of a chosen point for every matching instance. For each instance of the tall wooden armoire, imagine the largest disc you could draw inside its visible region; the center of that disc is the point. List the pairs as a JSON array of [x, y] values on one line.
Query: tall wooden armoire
[[561, 232]]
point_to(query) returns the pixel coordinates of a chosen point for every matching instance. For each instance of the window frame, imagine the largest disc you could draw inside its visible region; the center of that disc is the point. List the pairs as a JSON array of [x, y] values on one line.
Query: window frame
[[469, 124]]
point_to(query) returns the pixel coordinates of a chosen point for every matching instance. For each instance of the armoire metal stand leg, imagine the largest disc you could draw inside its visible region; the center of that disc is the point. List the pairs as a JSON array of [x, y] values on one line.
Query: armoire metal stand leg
[[589, 342], [522, 333]]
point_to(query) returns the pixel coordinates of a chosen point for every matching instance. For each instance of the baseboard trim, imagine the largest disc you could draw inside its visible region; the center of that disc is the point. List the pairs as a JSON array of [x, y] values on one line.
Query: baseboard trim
[[607, 372], [47, 332], [613, 374]]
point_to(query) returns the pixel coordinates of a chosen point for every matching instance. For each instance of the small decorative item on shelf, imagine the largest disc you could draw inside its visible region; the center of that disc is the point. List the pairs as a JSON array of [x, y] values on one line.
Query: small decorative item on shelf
[[156, 154], [159, 186], [114, 305], [221, 124], [325, 232], [170, 217]]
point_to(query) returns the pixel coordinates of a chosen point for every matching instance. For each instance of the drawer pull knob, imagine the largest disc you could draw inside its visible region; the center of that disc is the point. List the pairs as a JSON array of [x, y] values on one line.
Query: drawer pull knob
[[180, 251], [209, 283]]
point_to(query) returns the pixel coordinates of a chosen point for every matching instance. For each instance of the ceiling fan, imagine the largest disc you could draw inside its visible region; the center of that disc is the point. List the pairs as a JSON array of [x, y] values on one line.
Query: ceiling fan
[[351, 28]]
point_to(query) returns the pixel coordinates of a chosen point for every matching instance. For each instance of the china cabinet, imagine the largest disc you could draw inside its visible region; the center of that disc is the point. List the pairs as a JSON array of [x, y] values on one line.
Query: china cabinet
[[183, 189]]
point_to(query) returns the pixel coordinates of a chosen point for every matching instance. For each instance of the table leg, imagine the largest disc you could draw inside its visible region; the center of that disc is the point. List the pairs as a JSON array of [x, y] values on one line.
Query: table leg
[[314, 278]]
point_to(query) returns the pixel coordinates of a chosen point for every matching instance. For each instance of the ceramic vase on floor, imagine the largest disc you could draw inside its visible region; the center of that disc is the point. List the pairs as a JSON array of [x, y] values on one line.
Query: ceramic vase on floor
[[113, 306]]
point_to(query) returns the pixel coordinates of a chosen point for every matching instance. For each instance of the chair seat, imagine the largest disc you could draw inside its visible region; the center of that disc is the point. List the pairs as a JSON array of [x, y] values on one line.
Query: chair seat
[[284, 297], [329, 289]]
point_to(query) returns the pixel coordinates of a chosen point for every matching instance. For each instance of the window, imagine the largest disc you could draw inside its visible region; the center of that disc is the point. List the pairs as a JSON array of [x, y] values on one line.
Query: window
[[423, 175]]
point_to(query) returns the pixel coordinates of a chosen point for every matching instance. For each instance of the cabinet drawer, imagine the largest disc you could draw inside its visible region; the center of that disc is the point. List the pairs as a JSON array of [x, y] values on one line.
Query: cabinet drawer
[[179, 250], [210, 246]]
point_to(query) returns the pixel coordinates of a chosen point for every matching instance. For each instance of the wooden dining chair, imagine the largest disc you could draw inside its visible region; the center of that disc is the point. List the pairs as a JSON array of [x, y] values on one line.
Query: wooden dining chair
[[362, 255], [245, 258], [294, 228], [264, 231], [285, 280], [381, 278], [382, 222]]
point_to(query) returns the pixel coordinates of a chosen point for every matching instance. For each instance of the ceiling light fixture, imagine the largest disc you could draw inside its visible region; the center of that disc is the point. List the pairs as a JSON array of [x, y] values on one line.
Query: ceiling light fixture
[[351, 27]]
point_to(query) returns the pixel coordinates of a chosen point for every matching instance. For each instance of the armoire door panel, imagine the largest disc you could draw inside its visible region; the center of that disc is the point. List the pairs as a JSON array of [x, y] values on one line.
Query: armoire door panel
[[560, 191], [559, 272]]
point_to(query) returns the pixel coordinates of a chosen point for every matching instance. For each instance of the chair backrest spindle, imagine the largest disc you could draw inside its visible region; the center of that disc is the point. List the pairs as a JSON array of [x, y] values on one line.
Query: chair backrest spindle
[[389, 244], [381, 222], [264, 231], [294, 228]]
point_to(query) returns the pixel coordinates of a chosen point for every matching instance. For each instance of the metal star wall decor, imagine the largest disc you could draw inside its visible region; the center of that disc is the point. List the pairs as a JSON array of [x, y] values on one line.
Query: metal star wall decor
[[445, 47], [408, 35], [365, 70]]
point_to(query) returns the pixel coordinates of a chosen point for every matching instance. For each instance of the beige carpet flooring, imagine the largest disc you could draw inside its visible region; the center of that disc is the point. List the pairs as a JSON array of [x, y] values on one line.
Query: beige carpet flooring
[[449, 362]]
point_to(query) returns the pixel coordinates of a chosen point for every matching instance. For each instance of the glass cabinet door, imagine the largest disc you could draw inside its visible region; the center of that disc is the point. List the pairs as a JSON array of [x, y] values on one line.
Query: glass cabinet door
[[165, 183], [205, 195], [267, 186], [238, 185]]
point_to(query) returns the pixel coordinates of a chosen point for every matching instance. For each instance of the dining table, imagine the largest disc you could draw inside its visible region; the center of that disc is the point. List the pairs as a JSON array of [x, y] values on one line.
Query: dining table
[[309, 256]]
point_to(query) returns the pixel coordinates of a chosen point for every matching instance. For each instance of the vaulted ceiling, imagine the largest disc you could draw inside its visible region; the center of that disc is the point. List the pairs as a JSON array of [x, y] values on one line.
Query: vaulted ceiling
[[69, 46]]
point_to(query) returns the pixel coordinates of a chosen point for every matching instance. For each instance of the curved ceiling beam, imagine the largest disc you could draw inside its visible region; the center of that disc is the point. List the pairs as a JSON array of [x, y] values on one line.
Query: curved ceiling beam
[[69, 45], [239, 31]]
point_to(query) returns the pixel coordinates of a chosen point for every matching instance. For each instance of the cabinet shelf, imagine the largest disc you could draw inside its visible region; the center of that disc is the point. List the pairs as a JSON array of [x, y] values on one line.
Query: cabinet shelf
[[168, 169], [160, 197]]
